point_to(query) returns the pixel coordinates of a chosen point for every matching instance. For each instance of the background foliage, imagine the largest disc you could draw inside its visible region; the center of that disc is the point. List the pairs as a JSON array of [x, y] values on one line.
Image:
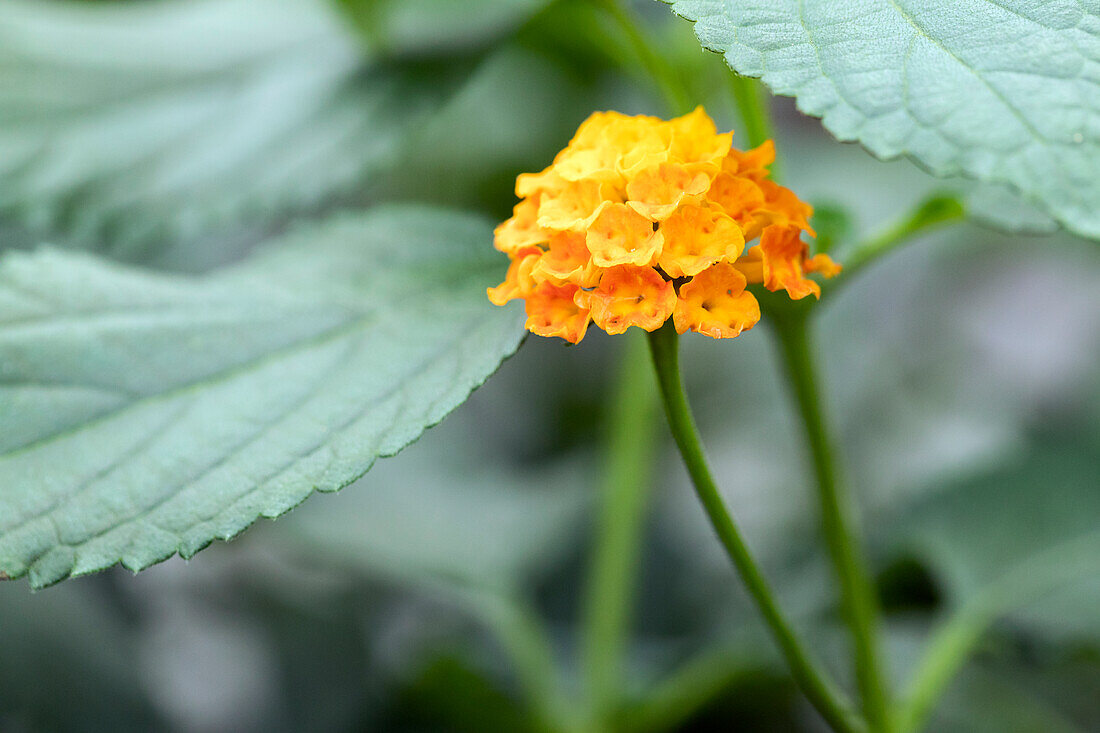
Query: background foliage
[[198, 148]]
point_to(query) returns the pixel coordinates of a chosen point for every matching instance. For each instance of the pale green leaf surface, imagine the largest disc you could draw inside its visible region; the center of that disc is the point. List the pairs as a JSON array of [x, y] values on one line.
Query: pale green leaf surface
[[1004, 91], [143, 415], [133, 123]]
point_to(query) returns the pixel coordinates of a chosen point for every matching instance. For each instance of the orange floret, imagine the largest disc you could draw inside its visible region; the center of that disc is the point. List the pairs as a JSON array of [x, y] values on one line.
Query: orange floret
[[784, 255], [567, 260], [518, 282], [629, 296], [639, 220], [619, 235], [552, 311], [716, 304], [824, 264], [788, 208], [657, 192], [695, 238], [752, 164]]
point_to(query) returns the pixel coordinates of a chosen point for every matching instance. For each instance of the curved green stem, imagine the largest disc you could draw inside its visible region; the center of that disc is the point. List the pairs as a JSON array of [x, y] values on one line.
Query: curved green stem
[[664, 346], [625, 497], [524, 640], [953, 642], [930, 213], [752, 104], [662, 73], [838, 520]]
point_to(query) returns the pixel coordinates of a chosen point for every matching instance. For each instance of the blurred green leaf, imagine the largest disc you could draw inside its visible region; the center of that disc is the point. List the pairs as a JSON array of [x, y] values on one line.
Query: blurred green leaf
[[1024, 534], [974, 533], [992, 699], [1004, 93], [450, 696], [407, 27], [143, 415], [450, 522], [69, 664], [131, 124]]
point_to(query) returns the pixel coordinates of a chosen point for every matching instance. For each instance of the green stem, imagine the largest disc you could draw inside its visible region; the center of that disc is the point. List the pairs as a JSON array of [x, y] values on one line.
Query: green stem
[[524, 640], [929, 213], [838, 519], [662, 73], [664, 346], [625, 495], [752, 104]]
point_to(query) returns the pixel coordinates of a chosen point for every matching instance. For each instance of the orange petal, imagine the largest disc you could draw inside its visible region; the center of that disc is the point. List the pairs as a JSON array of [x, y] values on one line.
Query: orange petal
[[552, 311], [567, 260], [783, 253], [751, 265], [695, 238], [621, 236], [824, 264], [630, 296], [751, 163], [790, 208], [716, 304], [518, 282], [741, 198]]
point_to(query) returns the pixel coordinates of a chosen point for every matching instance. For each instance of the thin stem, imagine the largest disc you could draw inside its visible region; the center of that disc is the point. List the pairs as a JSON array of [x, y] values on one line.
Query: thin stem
[[687, 689], [524, 639], [625, 495], [752, 104], [930, 213], [956, 638], [838, 520], [664, 345], [662, 73]]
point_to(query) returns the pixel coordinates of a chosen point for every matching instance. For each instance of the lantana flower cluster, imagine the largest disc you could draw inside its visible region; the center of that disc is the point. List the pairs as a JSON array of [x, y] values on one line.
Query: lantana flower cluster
[[639, 220]]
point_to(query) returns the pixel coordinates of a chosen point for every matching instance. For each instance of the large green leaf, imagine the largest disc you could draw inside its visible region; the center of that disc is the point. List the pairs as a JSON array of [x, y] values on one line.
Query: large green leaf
[[124, 124], [1006, 92], [143, 415]]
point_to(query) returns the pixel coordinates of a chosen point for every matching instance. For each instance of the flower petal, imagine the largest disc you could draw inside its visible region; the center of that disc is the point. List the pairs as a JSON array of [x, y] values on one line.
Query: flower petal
[[716, 304], [630, 296], [621, 236], [695, 238], [552, 311]]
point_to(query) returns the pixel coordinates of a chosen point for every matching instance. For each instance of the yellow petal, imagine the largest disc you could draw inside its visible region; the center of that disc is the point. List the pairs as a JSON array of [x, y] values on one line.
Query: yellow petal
[[655, 193], [621, 236], [695, 238]]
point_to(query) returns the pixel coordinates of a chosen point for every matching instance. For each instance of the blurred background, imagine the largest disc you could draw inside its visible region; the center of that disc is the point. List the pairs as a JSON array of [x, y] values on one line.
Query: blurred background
[[961, 373]]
